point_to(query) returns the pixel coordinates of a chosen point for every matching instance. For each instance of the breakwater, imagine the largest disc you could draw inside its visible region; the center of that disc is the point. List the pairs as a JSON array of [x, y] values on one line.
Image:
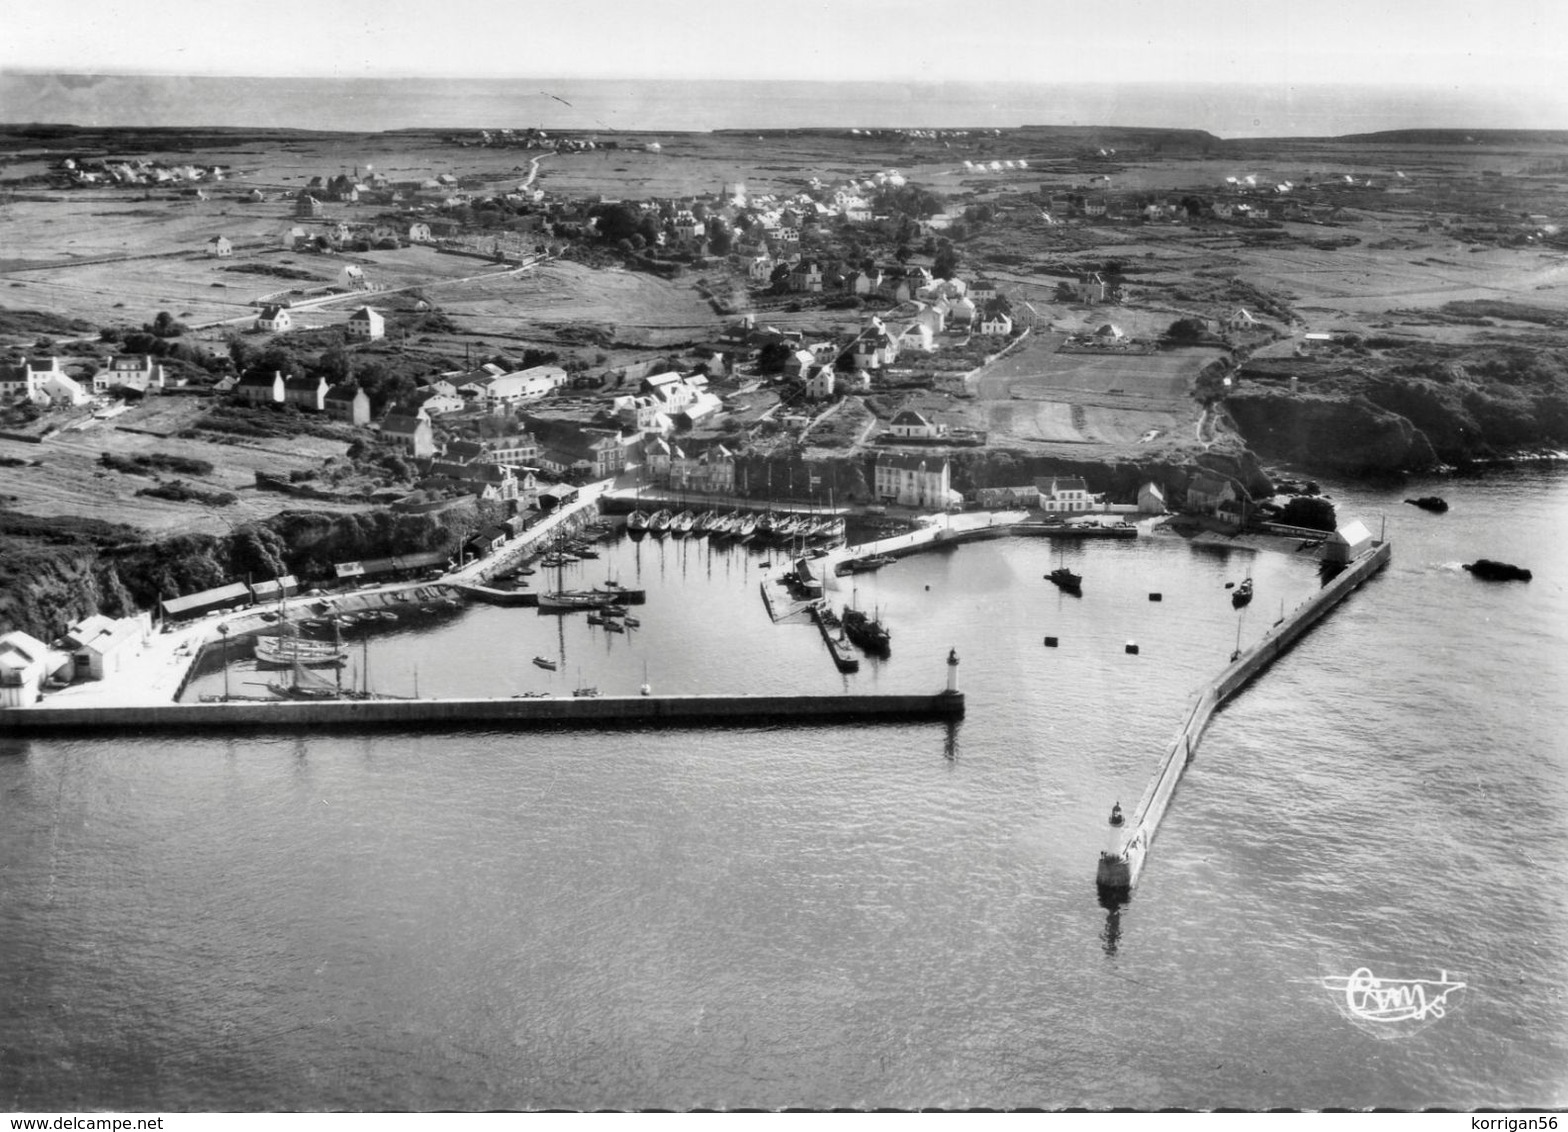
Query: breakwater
[[489, 714], [1122, 862]]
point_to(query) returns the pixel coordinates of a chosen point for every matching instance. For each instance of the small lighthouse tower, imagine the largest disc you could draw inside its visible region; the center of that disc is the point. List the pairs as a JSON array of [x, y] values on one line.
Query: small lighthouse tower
[[952, 671]]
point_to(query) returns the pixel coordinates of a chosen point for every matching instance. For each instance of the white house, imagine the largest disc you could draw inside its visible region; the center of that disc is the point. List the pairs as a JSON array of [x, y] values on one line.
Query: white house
[[996, 323], [908, 424], [530, 384], [917, 336], [102, 646], [61, 389], [819, 382], [1151, 499], [274, 318], [220, 247], [914, 481], [133, 371], [419, 233], [24, 665], [367, 324], [760, 269], [1242, 321], [25, 382], [1348, 543], [1065, 494]]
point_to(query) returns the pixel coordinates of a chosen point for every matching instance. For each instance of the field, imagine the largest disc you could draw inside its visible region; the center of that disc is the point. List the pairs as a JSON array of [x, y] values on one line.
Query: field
[[1088, 405], [69, 480], [1370, 262]]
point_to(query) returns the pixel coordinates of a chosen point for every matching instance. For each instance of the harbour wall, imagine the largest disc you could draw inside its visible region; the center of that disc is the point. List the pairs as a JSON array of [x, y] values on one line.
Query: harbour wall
[[1120, 866], [455, 714]]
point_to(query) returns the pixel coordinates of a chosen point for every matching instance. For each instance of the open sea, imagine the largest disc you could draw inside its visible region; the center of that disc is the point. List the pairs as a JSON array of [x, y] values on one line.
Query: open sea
[[607, 105], [871, 916]]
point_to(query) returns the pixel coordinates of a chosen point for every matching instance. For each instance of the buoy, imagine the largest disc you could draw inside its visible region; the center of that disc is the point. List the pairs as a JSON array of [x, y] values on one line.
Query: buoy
[[1156, 597], [1132, 648], [1050, 642]]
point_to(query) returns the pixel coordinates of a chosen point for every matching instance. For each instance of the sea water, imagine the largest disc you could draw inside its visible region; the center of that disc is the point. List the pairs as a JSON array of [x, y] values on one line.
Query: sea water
[[890, 915]]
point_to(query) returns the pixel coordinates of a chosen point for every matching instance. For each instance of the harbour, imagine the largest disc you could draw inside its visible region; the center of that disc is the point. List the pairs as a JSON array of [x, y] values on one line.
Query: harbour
[[790, 903]]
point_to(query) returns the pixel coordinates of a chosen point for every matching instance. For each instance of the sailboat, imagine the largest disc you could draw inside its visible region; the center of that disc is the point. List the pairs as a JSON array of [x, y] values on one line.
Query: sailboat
[[306, 685], [288, 649]]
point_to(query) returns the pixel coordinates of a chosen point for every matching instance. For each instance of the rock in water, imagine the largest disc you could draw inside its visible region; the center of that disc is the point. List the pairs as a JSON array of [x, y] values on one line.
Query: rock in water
[[1498, 571]]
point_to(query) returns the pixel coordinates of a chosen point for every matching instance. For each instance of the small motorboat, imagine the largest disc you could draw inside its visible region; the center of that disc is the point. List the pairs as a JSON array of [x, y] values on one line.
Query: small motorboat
[[545, 662], [1242, 594], [1064, 579], [1433, 503]]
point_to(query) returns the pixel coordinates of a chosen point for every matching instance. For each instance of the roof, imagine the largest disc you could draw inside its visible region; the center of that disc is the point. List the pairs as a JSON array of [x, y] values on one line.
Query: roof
[[1068, 483], [256, 380], [344, 392], [19, 651], [364, 314], [304, 384], [1352, 533], [271, 312], [402, 425], [204, 599], [911, 418], [912, 463]]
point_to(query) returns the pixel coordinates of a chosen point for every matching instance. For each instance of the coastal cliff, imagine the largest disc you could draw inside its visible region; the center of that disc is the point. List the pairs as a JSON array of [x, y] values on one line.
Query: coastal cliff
[[54, 572], [1403, 407]]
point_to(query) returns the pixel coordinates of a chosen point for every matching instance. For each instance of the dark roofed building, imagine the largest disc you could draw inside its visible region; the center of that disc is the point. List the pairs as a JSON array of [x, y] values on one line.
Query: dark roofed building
[[348, 403]]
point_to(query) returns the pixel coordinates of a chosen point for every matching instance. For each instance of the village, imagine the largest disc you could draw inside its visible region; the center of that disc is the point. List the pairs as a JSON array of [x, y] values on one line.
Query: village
[[1010, 321]]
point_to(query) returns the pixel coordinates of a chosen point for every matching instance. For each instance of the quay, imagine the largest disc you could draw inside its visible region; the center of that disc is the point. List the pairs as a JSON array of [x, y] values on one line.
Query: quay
[[954, 529], [520, 713], [1122, 862]]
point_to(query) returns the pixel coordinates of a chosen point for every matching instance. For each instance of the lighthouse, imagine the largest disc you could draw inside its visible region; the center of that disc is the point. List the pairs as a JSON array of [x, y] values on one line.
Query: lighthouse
[[952, 671]]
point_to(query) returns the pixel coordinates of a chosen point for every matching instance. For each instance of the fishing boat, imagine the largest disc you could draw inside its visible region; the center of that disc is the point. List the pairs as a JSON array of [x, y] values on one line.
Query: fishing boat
[[632, 622], [747, 528], [1242, 594], [289, 649], [683, 523], [1064, 579], [867, 631], [545, 662], [306, 685], [613, 626], [595, 619], [637, 522], [705, 520], [659, 522]]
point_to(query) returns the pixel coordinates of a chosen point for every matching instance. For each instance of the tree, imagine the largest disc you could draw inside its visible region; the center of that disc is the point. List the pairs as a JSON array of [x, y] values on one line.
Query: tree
[[1312, 512], [1186, 331], [165, 326], [945, 265], [904, 254], [772, 357]]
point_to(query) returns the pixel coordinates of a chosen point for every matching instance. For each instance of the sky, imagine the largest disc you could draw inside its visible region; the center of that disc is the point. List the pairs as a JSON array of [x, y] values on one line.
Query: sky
[[1512, 52]]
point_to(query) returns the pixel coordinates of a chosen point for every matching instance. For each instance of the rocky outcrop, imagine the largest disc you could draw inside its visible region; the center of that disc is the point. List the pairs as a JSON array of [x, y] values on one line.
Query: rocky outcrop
[[1344, 433]]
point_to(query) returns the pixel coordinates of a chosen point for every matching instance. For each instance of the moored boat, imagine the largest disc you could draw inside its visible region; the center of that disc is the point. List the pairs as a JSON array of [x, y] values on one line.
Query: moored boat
[[1064, 579], [289, 650], [867, 631], [545, 662], [637, 522], [1242, 593]]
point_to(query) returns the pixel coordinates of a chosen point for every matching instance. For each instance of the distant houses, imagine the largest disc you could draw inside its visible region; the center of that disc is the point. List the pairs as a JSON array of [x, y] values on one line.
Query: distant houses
[[366, 324], [140, 372], [275, 319], [410, 434], [220, 247]]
